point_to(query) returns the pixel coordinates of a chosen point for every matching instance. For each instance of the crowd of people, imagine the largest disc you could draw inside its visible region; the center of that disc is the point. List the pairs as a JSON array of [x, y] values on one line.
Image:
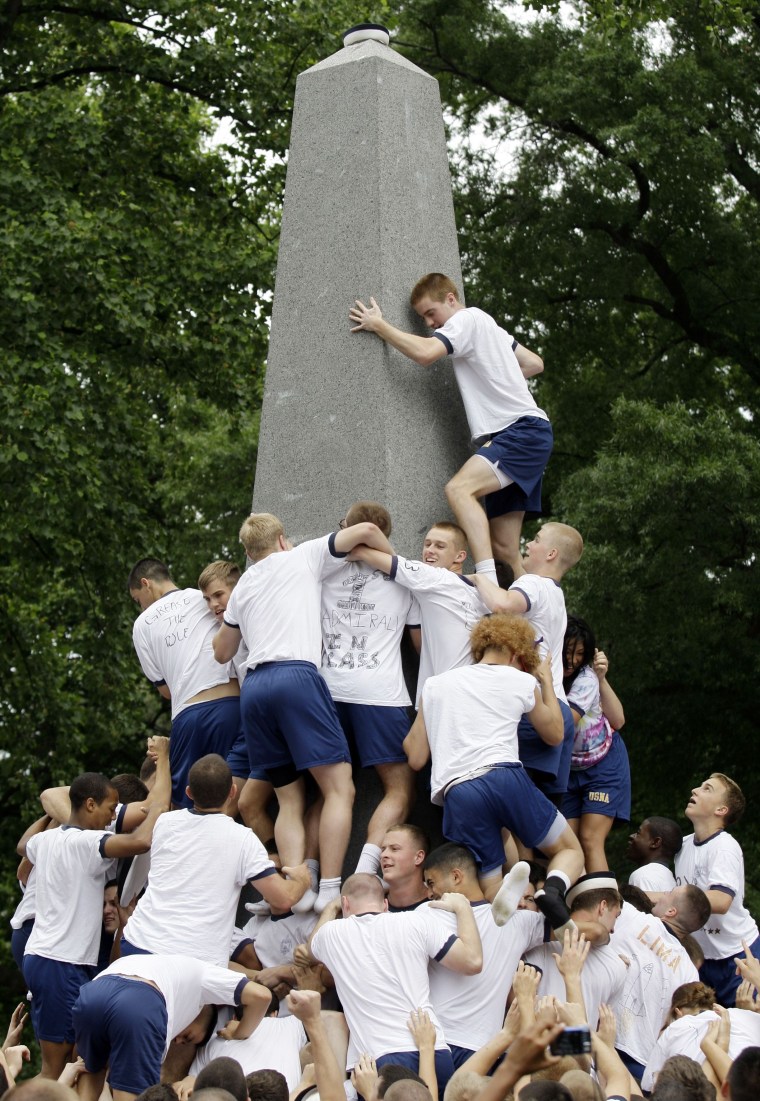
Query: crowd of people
[[188, 930]]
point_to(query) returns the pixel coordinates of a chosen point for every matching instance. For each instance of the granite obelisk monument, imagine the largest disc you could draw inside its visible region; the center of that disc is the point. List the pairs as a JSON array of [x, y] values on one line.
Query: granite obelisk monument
[[368, 210]]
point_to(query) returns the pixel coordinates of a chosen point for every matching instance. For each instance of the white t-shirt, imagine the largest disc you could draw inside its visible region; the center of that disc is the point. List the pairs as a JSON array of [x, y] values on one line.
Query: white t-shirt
[[471, 716], [174, 643], [659, 965], [380, 966], [449, 606], [27, 906], [274, 1045], [718, 863], [276, 603], [548, 617], [652, 877], [471, 1007], [493, 388], [279, 936], [684, 1036], [363, 620], [72, 872], [602, 976], [187, 985], [199, 863]]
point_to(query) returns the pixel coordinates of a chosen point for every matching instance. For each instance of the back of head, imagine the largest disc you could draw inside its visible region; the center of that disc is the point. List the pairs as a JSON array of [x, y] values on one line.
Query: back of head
[[151, 568], [693, 907], [669, 833], [224, 1074], [680, 1073], [734, 797], [692, 996], [370, 512], [582, 1086], [364, 889], [129, 788], [392, 1073], [162, 1091], [434, 285], [568, 542], [260, 534], [407, 1090], [449, 856], [508, 634], [267, 1085], [744, 1075], [213, 1093], [544, 1090], [220, 572], [89, 785], [210, 781], [465, 1086], [41, 1089]]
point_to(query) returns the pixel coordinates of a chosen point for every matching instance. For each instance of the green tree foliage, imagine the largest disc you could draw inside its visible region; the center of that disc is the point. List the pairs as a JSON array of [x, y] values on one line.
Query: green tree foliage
[[137, 263]]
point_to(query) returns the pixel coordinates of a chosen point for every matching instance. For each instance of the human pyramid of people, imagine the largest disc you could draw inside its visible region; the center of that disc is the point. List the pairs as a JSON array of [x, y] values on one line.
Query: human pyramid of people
[[507, 961]]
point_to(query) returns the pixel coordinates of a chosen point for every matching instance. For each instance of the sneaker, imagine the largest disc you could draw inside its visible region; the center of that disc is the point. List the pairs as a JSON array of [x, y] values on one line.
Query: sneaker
[[509, 894]]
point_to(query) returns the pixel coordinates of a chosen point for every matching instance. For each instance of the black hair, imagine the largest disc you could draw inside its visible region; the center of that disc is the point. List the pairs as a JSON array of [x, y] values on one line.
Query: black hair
[[223, 1073], [449, 856], [394, 1072], [577, 631], [152, 568], [89, 785], [669, 833], [129, 788], [267, 1085], [209, 781]]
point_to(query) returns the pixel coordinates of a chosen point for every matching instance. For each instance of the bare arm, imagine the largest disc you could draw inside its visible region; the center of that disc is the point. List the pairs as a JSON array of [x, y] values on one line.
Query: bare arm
[[499, 600], [530, 363], [38, 826], [130, 844], [416, 744], [720, 901], [545, 713], [255, 1000], [283, 893], [226, 642], [611, 705], [423, 1032], [424, 350], [367, 534], [466, 954], [570, 963], [56, 803], [526, 1054], [305, 1004], [161, 792], [378, 560]]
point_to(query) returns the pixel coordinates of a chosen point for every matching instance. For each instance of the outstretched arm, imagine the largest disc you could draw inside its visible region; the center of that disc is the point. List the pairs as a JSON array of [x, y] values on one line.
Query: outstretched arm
[[530, 364], [422, 349], [499, 600], [305, 1005], [367, 534], [377, 559]]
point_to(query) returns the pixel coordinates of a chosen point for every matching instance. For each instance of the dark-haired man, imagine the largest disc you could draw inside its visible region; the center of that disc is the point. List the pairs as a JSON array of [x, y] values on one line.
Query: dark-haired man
[[72, 866], [713, 860], [173, 637], [200, 860], [652, 849]]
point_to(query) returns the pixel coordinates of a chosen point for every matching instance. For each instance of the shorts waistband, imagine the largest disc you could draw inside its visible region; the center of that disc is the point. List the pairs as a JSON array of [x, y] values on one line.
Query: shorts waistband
[[477, 773]]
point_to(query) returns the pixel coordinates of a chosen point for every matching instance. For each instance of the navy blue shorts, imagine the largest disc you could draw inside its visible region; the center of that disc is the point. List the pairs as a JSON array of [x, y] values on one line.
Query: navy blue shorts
[[521, 452], [378, 731], [289, 717], [55, 988], [19, 937], [444, 1064], [129, 949], [121, 1023], [604, 788], [475, 811], [200, 729], [721, 976], [549, 765]]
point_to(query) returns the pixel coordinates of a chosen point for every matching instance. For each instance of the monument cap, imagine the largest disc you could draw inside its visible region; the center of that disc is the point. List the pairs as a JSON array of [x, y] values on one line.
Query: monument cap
[[367, 32]]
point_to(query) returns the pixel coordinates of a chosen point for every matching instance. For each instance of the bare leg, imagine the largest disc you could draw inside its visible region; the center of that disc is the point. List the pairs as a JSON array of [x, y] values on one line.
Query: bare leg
[[489, 884], [337, 787], [122, 1095], [593, 834], [398, 792], [254, 796], [311, 823], [505, 539], [565, 855], [54, 1058], [289, 829], [90, 1086], [471, 482], [511, 850]]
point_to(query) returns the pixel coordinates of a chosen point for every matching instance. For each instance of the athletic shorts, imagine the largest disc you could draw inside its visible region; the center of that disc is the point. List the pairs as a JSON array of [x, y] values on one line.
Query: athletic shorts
[[200, 729], [548, 765], [521, 452], [378, 731], [444, 1064], [19, 937], [289, 717], [475, 811], [239, 765], [721, 976], [604, 788], [55, 988], [121, 1023]]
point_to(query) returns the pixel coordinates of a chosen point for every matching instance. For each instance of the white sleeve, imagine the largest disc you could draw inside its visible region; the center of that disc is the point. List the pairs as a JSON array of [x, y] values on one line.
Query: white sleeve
[[726, 869], [417, 576], [144, 656], [458, 332], [529, 586], [584, 691]]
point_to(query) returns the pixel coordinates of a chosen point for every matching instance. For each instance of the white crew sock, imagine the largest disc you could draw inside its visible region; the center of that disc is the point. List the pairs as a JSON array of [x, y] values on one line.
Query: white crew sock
[[488, 568], [328, 890], [369, 861]]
